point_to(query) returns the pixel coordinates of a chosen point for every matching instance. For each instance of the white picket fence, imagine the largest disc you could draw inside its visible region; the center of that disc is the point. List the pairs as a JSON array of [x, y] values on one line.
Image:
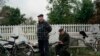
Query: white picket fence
[[30, 31]]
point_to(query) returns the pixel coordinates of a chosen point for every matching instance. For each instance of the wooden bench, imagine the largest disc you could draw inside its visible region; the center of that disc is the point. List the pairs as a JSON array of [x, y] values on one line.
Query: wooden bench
[[76, 35]]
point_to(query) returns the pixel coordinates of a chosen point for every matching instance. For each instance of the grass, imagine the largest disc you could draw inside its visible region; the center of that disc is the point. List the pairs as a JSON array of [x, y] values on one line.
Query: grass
[[76, 52], [83, 52]]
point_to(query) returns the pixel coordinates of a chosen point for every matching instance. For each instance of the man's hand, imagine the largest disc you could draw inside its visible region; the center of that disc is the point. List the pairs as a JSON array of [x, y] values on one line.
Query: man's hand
[[60, 42]]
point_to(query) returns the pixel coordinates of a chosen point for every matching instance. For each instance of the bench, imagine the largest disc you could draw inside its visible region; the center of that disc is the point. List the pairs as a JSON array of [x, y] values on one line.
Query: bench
[[76, 35]]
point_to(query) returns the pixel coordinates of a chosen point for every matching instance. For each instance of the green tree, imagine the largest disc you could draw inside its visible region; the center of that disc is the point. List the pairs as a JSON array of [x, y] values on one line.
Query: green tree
[[12, 16], [86, 12], [70, 11], [60, 12]]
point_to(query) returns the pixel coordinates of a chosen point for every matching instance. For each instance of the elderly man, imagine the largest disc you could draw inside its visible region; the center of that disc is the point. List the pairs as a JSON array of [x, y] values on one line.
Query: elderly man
[[63, 43], [43, 29]]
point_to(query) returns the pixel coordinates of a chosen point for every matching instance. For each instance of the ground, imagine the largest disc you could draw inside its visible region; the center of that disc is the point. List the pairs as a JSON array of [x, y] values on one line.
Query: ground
[[77, 52]]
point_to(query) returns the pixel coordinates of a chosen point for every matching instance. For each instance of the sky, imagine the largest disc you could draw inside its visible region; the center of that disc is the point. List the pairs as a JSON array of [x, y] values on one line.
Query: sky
[[31, 8]]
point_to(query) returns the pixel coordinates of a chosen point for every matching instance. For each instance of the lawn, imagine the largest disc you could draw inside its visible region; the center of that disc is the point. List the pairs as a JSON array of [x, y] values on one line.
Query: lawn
[[83, 52], [76, 52]]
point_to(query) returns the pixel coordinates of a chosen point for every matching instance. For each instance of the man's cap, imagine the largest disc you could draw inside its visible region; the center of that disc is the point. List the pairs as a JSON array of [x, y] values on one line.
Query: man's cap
[[60, 30], [41, 15]]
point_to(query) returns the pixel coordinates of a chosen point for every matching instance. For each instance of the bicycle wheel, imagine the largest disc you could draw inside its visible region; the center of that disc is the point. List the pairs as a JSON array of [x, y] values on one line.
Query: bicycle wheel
[[4, 51], [97, 45], [25, 50]]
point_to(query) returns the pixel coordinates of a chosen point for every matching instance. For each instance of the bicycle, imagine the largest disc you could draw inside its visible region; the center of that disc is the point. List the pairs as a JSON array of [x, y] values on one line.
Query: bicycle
[[20, 49], [3, 50]]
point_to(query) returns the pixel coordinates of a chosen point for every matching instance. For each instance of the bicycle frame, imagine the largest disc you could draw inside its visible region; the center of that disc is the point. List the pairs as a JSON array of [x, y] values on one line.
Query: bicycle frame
[[13, 52]]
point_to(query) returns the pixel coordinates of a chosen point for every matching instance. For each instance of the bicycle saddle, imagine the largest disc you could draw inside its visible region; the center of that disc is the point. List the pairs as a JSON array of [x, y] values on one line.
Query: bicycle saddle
[[15, 37]]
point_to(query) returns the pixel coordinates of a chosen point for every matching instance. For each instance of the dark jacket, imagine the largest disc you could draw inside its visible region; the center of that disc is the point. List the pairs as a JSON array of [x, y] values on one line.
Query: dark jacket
[[43, 30], [65, 38]]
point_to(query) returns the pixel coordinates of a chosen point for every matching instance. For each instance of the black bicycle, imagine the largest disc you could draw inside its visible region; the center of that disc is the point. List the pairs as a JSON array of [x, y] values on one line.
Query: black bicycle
[[22, 49], [3, 50]]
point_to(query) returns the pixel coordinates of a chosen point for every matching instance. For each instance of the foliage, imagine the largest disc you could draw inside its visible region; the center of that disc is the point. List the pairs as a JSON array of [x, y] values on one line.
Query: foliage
[[12, 16], [70, 11], [96, 16], [86, 12], [59, 12]]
